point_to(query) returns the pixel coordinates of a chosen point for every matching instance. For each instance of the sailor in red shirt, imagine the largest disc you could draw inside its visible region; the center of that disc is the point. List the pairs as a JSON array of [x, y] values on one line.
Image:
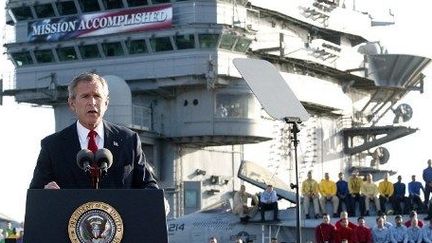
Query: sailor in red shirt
[[344, 215], [413, 215], [362, 231], [325, 232], [345, 234]]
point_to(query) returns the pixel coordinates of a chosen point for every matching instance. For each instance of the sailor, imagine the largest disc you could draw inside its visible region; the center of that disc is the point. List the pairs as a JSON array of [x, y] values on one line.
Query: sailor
[[415, 233], [354, 185], [327, 189], [385, 189], [399, 190], [342, 192], [380, 233], [325, 232], [370, 193], [427, 177], [345, 233], [362, 232], [414, 188], [399, 232], [310, 192]]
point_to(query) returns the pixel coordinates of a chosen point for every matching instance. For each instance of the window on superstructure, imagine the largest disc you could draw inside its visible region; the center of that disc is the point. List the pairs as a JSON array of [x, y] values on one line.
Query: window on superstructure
[[242, 44], [89, 5], [235, 106], [208, 40], [44, 10], [160, 1], [22, 13], [227, 41], [89, 51], [112, 4], [112, 49], [22, 58], [185, 41], [44, 56], [161, 44], [66, 53], [134, 3], [136, 46], [66, 8]]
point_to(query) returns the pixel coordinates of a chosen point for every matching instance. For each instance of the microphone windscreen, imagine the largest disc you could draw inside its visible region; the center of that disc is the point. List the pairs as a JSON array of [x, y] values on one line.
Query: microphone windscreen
[[84, 156], [104, 155]]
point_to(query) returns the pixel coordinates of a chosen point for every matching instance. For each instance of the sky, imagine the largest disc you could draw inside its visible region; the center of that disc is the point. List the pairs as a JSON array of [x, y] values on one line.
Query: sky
[[22, 126]]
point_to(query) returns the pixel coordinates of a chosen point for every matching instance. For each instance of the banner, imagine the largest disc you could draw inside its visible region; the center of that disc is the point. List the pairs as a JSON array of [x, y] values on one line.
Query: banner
[[95, 24]]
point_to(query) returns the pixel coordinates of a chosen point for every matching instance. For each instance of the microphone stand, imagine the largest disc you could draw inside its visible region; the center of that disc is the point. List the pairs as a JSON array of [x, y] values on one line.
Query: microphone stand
[[95, 176], [295, 130]]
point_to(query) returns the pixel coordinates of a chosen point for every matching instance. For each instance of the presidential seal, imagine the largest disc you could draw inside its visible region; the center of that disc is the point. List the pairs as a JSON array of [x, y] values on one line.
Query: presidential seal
[[95, 222]]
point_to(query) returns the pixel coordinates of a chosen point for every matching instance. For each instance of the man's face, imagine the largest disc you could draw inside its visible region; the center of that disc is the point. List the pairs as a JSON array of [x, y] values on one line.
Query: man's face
[[269, 188], [398, 221], [340, 176], [89, 104], [413, 178], [326, 176], [326, 219], [344, 222], [399, 178], [242, 188], [361, 222], [380, 222]]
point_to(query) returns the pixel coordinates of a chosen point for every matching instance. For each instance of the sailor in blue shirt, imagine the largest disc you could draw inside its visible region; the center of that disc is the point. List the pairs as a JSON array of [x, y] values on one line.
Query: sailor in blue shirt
[[427, 233], [399, 232], [427, 177], [415, 233], [399, 197], [342, 192], [380, 233], [414, 188]]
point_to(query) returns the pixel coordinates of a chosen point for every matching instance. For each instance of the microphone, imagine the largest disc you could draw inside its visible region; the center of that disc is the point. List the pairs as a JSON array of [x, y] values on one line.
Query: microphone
[[84, 159], [104, 159]]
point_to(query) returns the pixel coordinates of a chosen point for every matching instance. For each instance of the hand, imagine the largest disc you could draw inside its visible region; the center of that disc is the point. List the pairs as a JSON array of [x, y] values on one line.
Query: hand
[[52, 185]]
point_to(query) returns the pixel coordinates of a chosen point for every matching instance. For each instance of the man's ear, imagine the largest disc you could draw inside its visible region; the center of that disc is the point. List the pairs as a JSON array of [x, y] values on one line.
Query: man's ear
[[71, 104], [107, 101]]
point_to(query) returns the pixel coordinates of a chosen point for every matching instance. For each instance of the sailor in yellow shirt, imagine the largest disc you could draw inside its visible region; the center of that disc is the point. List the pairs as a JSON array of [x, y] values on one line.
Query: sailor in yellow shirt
[[385, 189], [310, 192], [327, 190], [370, 193], [354, 185]]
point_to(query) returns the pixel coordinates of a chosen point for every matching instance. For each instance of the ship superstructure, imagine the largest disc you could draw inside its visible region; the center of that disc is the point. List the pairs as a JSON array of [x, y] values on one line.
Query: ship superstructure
[[171, 76]]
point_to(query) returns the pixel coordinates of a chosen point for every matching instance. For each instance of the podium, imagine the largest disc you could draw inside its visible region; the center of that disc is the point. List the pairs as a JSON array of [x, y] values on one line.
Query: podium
[[88, 215]]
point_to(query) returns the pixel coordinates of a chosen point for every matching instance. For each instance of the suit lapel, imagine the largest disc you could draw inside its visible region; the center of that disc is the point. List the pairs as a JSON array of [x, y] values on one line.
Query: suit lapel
[[70, 147]]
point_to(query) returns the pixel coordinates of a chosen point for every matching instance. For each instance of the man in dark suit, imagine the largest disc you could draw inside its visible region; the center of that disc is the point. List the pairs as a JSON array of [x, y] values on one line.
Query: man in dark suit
[[56, 166]]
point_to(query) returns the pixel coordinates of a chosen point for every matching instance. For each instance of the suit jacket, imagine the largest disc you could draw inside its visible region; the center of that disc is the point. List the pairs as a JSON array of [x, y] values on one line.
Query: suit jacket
[[57, 161]]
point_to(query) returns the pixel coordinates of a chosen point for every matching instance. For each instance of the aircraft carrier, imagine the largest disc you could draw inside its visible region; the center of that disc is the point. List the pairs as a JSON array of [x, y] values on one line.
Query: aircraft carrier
[[172, 79]]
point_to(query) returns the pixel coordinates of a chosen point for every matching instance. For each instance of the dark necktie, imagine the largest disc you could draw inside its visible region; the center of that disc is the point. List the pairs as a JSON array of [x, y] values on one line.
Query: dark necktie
[[92, 146]]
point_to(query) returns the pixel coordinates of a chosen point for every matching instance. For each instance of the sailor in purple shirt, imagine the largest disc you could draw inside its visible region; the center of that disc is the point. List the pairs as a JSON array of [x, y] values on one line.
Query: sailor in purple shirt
[[399, 197], [414, 188], [427, 177], [342, 192]]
